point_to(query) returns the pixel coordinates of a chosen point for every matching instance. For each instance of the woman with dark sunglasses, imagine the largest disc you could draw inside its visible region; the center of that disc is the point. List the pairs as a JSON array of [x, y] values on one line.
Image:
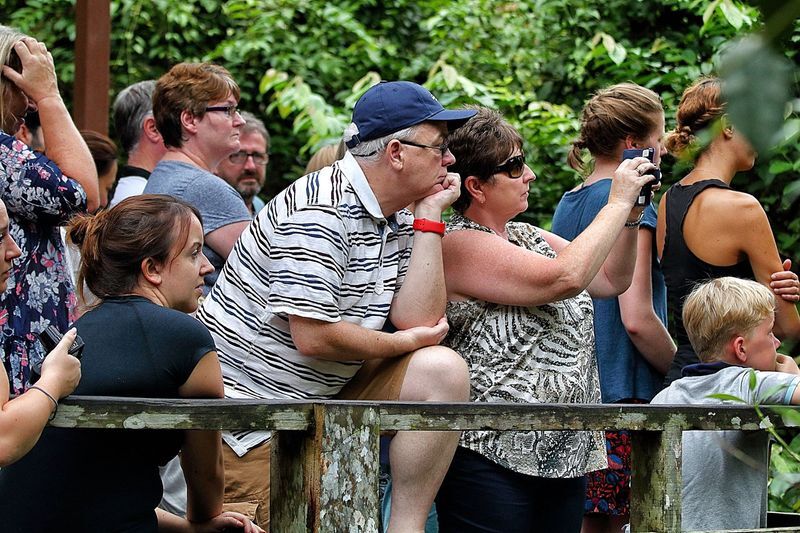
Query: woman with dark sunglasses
[[520, 313]]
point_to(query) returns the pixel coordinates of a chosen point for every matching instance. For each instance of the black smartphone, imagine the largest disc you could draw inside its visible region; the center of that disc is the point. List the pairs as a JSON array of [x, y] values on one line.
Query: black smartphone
[[645, 193], [50, 339]]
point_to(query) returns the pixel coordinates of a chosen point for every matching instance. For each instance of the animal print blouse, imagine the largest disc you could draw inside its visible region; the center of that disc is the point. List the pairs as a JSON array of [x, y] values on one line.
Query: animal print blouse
[[542, 354]]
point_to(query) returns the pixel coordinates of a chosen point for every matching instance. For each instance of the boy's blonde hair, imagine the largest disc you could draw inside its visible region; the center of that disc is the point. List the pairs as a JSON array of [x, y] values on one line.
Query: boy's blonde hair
[[718, 309]]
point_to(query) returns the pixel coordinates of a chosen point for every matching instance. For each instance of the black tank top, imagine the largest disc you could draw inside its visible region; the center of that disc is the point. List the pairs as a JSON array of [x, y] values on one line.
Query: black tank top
[[683, 270]]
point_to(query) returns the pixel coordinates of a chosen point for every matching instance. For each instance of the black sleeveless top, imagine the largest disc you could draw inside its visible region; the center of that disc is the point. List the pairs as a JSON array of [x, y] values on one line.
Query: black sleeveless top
[[683, 270]]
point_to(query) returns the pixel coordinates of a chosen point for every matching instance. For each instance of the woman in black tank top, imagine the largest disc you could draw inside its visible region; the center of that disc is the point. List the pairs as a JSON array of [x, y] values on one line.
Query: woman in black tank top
[[708, 230]]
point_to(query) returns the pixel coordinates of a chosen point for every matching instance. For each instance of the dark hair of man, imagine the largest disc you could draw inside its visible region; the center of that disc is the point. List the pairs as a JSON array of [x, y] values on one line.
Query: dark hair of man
[[114, 242], [254, 124], [480, 145], [131, 107]]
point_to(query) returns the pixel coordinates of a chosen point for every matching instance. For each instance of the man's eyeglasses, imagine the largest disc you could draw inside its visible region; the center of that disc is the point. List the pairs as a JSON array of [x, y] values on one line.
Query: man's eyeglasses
[[441, 147], [259, 158], [514, 167], [229, 110]]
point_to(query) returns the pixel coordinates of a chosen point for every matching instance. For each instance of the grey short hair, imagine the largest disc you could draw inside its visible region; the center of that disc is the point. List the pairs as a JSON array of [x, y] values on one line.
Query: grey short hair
[[131, 107], [255, 125], [371, 150]]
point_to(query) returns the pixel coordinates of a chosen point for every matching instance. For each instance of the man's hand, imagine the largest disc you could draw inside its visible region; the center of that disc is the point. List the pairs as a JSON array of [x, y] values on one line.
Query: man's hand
[[784, 363], [422, 336], [440, 197]]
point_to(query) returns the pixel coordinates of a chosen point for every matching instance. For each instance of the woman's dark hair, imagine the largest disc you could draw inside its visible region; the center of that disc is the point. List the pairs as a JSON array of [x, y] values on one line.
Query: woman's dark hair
[[700, 106], [611, 115], [480, 145], [114, 242], [103, 150]]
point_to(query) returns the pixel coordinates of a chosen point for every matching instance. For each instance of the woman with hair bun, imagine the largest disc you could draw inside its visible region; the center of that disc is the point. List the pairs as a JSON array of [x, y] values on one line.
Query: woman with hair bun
[[634, 349], [145, 262], [708, 230]]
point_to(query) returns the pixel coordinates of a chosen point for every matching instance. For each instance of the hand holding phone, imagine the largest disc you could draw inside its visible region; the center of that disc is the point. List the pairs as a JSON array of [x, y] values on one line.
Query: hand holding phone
[[50, 339], [644, 195]]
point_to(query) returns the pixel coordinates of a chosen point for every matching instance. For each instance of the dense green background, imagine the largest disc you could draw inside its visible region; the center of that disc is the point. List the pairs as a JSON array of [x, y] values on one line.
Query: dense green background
[[303, 63]]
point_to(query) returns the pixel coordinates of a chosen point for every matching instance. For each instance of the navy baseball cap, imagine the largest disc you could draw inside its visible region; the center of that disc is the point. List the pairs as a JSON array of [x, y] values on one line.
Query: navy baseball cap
[[391, 106]]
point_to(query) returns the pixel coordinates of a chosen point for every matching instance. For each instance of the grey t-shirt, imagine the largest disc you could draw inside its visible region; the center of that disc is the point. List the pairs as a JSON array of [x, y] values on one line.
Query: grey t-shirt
[[218, 203], [720, 490]]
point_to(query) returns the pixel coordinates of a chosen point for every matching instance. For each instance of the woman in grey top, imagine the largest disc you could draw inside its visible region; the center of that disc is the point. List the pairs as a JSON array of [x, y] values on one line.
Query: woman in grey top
[[521, 315]]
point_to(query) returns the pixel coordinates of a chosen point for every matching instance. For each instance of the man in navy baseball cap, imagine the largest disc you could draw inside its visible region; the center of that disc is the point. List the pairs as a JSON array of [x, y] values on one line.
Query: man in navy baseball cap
[[331, 261], [391, 106]]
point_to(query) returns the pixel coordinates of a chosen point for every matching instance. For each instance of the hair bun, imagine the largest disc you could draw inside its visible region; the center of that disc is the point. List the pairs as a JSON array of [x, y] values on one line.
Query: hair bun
[[78, 228]]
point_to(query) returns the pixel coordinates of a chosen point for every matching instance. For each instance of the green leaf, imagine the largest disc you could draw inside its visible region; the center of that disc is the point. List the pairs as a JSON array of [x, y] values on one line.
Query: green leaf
[[733, 14], [790, 416], [756, 108], [615, 51], [777, 167], [709, 11], [791, 193], [726, 397], [752, 381]]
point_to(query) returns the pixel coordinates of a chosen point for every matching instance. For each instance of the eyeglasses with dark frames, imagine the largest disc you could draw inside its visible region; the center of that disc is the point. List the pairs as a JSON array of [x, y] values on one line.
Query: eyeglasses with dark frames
[[514, 167], [238, 158], [441, 147], [229, 110]]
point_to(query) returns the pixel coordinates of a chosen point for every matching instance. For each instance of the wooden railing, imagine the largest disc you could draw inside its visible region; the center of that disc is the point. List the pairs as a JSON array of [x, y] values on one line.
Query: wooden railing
[[324, 474]]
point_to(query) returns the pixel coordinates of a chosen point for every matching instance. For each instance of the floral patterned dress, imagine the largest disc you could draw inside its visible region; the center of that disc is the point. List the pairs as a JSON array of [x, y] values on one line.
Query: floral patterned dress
[[39, 198]]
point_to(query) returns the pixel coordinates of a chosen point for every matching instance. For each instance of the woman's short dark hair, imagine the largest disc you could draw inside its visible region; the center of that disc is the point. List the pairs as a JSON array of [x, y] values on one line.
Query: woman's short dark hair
[[188, 87], [114, 242], [102, 148], [479, 146]]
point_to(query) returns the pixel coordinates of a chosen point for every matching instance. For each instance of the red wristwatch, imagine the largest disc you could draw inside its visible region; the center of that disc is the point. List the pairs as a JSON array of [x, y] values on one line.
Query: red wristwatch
[[423, 224]]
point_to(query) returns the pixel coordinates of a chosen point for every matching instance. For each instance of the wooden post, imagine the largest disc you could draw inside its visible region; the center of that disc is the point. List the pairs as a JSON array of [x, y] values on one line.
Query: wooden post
[[656, 481], [327, 480], [289, 490], [349, 467], [92, 53]]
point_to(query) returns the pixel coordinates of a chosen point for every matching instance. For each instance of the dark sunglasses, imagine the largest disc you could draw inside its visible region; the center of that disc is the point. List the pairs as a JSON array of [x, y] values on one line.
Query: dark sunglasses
[[514, 167]]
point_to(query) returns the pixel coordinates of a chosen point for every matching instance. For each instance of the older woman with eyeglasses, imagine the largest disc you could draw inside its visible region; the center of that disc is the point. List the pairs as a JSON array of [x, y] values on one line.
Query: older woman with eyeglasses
[[520, 313], [196, 110]]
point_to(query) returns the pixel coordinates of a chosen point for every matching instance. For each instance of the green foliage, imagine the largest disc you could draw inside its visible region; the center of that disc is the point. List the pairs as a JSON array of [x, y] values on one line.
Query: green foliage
[[303, 63]]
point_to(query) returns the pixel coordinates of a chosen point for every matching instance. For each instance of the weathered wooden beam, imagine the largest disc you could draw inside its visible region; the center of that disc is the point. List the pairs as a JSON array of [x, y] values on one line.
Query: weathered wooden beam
[[114, 412], [656, 482], [149, 413], [507, 416], [92, 54]]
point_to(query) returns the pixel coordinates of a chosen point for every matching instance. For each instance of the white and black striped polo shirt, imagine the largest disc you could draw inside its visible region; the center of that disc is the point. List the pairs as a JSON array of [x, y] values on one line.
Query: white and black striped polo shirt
[[321, 249]]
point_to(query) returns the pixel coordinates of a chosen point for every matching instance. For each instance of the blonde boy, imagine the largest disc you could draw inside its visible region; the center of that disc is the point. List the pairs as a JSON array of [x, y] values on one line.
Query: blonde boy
[[729, 322]]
